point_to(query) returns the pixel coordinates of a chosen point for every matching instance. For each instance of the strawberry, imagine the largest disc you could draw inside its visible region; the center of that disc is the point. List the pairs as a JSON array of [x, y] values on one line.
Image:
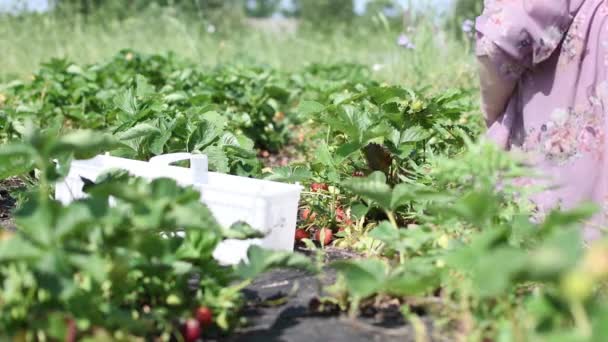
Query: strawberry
[[318, 187], [192, 330], [358, 174], [204, 315], [307, 215], [340, 214], [326, 234], [301, 234], [71, 330]]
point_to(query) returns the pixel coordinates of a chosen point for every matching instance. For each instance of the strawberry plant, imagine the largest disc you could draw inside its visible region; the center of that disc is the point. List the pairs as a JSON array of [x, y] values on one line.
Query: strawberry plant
[[476, 250], [442, 224], [159, 104], [92, 267], [389, 127]]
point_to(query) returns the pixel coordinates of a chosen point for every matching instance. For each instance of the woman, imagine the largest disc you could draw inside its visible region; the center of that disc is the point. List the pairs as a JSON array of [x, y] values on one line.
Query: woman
[[545, 92]]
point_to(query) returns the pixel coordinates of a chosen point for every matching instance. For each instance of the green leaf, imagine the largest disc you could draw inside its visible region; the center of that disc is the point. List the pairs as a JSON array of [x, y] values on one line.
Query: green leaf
[[16, 159], [96, 266], [57, 326], [359, 210], [228, 139], [363, 277], [289, 174], [404, 151], [310, 107], [560, 219], [352, 121], [372, 188], [144, 88], [203, 135], [18, 248], [260, 260], [492, 280], [386, 233], [73, 219], [198, 245], [416, 277], [323, 155], [345, 150], [414, 134], [402, 194], [74, 69], [126, 102], [558, 253], [218, 161], [141, 130], [381, 95], [85, 144], [176, 97], [242, 231], [245, 142], [277, 92], [477, 207], [216, 119], [157, 145], [377, 176]]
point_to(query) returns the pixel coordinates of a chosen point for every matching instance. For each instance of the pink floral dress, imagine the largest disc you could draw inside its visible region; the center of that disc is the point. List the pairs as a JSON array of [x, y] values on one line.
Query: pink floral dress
[[557, 51]]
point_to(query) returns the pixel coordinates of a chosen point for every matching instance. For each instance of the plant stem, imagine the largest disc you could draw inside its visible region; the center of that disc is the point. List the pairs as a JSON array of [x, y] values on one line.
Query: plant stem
[[419, 328], [354, 307], [581, 319], [391, 218], [43, 180]]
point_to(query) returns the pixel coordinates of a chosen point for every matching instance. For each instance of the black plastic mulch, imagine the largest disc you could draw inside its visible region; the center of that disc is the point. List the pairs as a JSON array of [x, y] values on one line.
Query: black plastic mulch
[[295, 321]]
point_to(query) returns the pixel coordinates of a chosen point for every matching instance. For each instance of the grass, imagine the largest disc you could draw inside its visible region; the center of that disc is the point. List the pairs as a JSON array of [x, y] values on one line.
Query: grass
[[29, 40]]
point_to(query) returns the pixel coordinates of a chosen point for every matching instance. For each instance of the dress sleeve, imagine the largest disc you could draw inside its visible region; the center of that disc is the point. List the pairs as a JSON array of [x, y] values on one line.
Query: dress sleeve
[[519, 34]]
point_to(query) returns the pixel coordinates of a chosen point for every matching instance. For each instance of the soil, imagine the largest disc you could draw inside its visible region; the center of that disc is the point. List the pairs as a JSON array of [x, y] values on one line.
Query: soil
[[7, 202], [286, 156], [291, 153]]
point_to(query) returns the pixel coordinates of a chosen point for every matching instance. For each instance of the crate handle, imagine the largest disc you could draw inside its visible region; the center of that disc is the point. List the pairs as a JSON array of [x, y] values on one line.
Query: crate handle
[[199, 164]]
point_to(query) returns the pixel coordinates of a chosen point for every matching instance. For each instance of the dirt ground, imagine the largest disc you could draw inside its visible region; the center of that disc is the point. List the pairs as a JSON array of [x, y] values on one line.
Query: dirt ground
[[7, 202]]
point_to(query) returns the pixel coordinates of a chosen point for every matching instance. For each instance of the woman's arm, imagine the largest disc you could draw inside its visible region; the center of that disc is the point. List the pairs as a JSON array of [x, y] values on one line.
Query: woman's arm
[[512, 37], [496, 89]]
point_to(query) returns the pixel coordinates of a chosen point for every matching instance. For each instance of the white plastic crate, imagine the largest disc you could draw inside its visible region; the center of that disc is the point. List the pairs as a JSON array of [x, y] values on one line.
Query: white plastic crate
[[268, 206]]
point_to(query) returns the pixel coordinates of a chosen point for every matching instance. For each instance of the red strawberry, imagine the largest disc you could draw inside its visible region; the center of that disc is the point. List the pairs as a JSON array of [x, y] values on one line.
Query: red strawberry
[[326, 234], [307, 214], [71, 330], [192, 330], [204, 315], [340, 214], [317, 187], [301, 234], [358, 174]]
